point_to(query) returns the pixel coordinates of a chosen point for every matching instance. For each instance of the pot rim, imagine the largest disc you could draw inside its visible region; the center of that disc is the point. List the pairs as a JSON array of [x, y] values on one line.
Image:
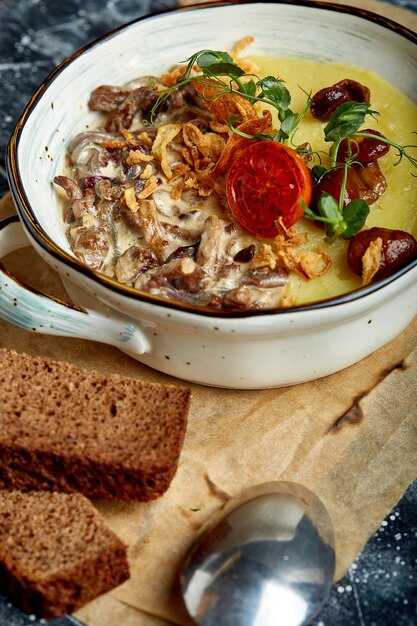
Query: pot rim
[[31, 224]]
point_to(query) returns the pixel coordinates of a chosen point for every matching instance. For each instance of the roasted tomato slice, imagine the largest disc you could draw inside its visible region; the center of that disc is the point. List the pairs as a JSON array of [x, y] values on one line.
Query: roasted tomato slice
[[266, 182]]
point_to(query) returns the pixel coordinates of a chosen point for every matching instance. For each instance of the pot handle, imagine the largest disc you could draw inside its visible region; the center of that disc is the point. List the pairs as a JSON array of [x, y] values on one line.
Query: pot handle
[[27, 308]]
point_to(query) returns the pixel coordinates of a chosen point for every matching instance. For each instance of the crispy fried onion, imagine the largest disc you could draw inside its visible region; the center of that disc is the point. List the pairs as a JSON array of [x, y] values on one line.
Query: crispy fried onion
[[200, 152], [151, 184], [285, 251], [222, 129], [136, 157], [308, 263], [248, 66], [289, 235], [165, 135], [147, 172], [265, 257], [209, 145], [130, 199], [371, 260], [237, 144], [223, 105], [240, 45], [169, 79], [128, 141]]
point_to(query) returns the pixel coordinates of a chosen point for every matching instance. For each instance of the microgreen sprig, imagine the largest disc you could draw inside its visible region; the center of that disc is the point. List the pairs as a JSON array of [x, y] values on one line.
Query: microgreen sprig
[[215, 66], [339, 221], [344, 124], [402, 150]]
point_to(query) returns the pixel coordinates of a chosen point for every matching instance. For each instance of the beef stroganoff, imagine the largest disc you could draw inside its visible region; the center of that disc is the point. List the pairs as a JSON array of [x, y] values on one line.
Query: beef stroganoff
[[211, 186]]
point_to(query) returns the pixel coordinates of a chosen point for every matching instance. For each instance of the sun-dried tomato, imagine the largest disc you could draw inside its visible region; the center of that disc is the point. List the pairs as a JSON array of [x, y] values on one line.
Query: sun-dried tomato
[[267, 182]]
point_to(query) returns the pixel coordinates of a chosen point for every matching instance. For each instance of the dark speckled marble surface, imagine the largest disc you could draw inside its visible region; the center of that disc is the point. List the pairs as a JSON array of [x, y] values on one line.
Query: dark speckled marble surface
[[380, 588]]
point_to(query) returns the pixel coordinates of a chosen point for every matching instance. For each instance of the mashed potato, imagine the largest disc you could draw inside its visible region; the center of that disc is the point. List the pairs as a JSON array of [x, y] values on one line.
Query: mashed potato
[[397, 208]]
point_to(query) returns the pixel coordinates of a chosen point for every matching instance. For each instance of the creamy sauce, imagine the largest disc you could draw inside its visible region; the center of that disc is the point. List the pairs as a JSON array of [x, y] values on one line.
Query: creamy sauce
[[397, 208]]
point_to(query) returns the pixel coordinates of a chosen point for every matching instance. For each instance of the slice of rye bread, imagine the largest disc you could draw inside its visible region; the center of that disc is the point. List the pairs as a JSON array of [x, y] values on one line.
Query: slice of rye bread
[[68, 429], [56, 554]]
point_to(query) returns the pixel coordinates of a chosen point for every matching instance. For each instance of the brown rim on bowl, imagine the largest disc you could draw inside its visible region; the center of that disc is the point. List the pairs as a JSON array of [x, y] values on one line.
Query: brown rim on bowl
[[28, 217]]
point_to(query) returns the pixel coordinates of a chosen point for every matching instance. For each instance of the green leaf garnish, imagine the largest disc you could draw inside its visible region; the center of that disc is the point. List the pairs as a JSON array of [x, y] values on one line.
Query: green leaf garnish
[[205, 58], [231, 121], [354, 215], [289, 123], [216, 66], [223, 69], [338, 220], [275, 92], [346, 120], [248, 89], [318, 172], [333, 218]]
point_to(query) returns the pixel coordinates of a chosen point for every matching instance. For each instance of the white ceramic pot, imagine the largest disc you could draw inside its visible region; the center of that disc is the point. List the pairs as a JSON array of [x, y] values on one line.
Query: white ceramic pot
[[247, 351]]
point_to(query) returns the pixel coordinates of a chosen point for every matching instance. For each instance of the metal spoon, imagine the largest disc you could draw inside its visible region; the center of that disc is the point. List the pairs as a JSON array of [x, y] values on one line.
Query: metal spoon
[[265, 559]]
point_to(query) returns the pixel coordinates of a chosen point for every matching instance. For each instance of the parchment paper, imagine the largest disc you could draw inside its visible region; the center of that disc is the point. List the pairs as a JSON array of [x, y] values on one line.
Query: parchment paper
[[350, 437]]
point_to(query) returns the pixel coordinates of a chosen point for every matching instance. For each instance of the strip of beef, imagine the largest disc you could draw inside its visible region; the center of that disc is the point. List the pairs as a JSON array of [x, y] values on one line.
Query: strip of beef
[[265, 277], [209, 251], [132, 220], [245, 298], [153, 230], [161, 277], [104, 189], [79, 202], [180, 233], [107, 98], [141, 99], [175, 269], [208, 257], [260, 288], [166, 290], [90, 243], [87, 153], [186, 105], [133, 261]]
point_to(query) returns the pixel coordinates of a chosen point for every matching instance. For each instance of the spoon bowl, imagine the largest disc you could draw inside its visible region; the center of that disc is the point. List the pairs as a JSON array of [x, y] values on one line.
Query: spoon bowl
[[265, 559]]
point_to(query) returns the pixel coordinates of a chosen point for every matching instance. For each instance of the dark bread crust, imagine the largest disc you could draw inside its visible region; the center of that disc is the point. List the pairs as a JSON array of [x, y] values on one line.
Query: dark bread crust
[[68, 429], [56, 554]]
